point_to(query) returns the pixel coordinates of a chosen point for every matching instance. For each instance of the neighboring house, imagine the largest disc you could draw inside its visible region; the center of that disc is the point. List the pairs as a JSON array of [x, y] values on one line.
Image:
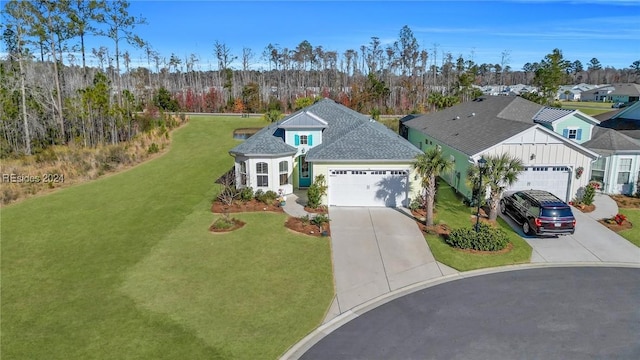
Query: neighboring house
[[492, 125], [364, 163], [568, 93], [571, 124], [597, 94], [519, 89], [618, 168], [618, 141], [625, 93]]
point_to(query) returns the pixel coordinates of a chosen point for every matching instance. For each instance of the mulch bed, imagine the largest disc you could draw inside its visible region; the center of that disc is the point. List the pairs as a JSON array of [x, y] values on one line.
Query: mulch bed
[[443, 231], [237, 225], [585, 208], [615, 227], [626, 202], [318, 210], [307, 228], [244, 206]]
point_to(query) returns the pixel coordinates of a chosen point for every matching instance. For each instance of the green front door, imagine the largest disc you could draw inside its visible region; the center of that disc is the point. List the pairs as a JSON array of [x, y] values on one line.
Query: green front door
[[304, 172]]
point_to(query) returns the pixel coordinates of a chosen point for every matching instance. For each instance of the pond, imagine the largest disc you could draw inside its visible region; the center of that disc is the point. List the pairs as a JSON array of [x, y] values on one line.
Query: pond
[[244, 133]]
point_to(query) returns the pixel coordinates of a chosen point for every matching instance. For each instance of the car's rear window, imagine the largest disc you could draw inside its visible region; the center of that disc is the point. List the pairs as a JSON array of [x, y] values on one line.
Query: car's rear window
[[557, 212]]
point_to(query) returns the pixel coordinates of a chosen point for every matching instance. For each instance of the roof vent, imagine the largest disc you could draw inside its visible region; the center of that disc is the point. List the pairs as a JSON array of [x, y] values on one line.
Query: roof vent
[[457, 118], [473, 114]]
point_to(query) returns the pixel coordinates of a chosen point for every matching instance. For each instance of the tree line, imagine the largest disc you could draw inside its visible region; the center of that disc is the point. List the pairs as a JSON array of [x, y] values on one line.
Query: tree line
[[50, 96]]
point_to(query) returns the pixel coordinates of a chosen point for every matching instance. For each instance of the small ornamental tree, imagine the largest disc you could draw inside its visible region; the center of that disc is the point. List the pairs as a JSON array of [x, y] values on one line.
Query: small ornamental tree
[[316, 191], [589, 194]]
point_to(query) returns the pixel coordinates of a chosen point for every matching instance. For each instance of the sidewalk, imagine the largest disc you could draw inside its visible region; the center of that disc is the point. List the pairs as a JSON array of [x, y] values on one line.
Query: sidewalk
[[294, 206], [606, 207]]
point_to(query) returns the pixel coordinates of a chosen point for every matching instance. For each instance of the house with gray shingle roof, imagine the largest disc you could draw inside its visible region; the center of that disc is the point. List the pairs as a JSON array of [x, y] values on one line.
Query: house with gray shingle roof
[[364, 163], [493, 125], [617, 140], [625, 93]]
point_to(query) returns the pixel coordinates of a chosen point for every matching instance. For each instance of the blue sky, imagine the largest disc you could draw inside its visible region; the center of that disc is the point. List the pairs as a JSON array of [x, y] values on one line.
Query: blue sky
[[482, 30]]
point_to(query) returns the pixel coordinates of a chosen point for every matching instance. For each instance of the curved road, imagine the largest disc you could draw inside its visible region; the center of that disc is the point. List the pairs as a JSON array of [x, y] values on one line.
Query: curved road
[[549, 313]]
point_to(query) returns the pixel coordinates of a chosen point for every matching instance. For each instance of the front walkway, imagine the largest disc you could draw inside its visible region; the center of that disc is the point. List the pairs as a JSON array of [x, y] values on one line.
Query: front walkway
[[606, 207], [294, 206]]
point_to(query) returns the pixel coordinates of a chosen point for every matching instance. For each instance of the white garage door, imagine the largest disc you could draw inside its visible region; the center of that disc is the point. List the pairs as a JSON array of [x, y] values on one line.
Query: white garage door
[[554, 179], [356, 187]]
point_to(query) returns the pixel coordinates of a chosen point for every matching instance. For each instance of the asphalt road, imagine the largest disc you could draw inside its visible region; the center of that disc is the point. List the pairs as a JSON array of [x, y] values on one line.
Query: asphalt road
[[549, 313]]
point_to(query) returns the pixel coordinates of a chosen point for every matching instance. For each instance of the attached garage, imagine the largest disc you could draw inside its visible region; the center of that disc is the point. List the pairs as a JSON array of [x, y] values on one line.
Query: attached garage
[[554, 179], [366, 187]]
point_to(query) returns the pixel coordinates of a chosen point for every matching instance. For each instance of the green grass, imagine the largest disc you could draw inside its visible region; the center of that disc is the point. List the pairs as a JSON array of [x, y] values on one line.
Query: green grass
[[633, 235], [589, 108], [452, 211], [125, 267]]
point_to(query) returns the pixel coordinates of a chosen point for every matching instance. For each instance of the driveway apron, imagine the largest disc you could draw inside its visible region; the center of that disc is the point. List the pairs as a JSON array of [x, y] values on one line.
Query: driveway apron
[[376, 251], [592, 242]]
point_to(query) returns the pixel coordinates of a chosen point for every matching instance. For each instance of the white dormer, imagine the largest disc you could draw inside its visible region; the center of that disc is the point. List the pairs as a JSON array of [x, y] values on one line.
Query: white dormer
[[303, 130]]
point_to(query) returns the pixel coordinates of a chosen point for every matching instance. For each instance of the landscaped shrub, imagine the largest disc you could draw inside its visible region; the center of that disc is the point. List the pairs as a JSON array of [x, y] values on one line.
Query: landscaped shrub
[[153, 148], [589, 194], [316, 191], [270, 196], [305, 219], [620, 218], [223, 223], [416, 203], [259, 195], [488, 238], [246, 194], [320, 220]]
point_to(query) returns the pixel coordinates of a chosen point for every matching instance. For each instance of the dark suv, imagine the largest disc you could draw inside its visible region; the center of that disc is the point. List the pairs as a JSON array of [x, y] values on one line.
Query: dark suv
[[539, 212]]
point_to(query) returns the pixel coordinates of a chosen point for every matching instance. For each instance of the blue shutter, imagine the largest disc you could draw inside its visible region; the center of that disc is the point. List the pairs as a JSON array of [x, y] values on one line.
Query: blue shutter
[[579, 134], [297, 140], [310, 140], [565, 133]]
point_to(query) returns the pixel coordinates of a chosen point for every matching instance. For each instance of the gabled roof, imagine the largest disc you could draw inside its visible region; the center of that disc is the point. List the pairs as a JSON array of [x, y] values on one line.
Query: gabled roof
[[630, 112], [303, 119], [607, 141], [548, 115], [370, 141], [625, 121], [347, 135], [266, 142], [626, 89], [477, 125]]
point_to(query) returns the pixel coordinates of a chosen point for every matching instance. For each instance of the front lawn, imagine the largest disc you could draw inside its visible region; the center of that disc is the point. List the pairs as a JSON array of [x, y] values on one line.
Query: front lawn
[[588, 107], [633, 234], [125, 268], [453, 212]]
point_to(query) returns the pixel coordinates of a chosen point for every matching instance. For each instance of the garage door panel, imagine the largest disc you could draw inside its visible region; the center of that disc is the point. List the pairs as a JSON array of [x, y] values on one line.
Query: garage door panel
[[554, 179], [368, 187]]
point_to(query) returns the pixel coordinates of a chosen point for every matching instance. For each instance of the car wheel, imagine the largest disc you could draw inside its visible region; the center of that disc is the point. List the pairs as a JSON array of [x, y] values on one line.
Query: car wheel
[[526, 228], [503, 208]]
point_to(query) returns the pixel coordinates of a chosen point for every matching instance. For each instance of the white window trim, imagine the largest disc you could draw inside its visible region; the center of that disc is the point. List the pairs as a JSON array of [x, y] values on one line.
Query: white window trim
[[262, 174], [283, 172]]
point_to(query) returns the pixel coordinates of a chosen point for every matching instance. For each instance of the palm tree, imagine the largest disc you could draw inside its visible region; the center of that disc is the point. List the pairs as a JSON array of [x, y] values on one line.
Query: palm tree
[[499, 173], [429, 166]]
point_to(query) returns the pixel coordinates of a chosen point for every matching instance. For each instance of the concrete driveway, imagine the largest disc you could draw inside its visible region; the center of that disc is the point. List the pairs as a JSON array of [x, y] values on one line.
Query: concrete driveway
[[376, 251], [592, 242]]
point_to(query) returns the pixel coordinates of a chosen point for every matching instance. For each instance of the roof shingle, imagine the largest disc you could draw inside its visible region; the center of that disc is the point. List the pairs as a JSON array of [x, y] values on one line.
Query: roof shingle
[[474, 126]]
